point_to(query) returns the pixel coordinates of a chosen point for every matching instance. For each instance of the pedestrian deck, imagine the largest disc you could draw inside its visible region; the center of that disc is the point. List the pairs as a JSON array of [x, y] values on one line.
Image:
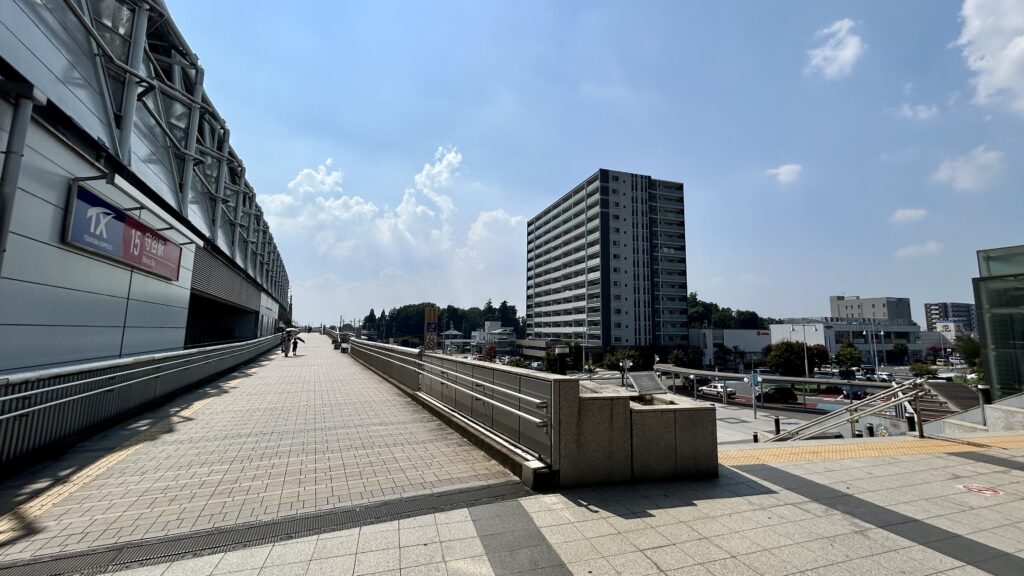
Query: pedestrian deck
[[321, 438], [279, 437]]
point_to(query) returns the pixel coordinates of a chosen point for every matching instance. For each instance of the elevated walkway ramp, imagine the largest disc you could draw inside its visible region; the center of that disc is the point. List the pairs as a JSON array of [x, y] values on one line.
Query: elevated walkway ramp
[[279, 439]]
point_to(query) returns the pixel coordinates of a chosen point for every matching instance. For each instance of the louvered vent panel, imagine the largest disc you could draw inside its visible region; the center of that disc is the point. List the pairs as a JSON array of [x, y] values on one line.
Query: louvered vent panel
[[212, 276]]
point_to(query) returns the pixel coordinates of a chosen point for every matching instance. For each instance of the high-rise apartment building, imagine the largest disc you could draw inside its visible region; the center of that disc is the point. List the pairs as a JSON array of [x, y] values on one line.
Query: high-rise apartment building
[[606, 264], [960, 312], [883, 308]]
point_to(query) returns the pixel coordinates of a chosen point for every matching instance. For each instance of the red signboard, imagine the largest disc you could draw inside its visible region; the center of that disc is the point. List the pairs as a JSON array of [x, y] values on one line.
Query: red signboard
[[149, 250], [97, 225]]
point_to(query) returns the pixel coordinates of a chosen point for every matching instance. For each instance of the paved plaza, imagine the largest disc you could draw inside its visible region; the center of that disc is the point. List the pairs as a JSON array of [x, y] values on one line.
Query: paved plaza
[[281, 437], [251, 455]]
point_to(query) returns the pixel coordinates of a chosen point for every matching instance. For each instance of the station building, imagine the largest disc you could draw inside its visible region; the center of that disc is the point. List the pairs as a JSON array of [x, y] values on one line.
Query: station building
[[127, 225]]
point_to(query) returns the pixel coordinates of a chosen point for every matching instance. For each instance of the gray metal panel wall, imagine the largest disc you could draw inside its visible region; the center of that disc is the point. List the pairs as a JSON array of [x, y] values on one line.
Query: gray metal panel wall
[[59, 304], [214, 277]]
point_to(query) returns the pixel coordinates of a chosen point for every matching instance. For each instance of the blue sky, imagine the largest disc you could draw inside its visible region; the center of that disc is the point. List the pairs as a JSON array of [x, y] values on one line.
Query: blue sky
[[865, 148]]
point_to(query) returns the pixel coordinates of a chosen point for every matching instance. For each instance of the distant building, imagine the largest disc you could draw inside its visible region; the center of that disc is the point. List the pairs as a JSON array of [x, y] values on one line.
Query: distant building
[[882, 308], [961, 312], [493, 333], [999, 295], [950, 331], [750, 343], [606, 264], [874, 339]]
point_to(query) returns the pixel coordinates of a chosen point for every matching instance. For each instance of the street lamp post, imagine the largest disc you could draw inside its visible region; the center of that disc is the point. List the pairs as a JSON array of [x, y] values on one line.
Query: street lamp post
[[807, 370]]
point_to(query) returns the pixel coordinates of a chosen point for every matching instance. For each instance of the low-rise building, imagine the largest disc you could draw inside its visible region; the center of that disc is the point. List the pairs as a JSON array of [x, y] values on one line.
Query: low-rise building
[[873, 338], [749, 343], [961, 312]]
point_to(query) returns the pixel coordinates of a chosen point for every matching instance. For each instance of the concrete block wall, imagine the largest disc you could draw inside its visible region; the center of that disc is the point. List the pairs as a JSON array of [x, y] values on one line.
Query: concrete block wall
[[611, 440]]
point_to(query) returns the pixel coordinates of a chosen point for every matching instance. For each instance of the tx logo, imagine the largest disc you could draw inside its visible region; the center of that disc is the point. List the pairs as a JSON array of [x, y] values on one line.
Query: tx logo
[[98, 218]]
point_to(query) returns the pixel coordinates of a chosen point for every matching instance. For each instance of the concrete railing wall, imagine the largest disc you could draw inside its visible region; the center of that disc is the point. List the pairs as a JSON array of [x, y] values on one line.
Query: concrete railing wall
[[587, 439]]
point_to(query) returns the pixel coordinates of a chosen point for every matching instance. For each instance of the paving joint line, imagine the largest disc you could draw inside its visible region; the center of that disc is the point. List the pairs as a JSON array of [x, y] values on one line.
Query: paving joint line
[[12, 522]]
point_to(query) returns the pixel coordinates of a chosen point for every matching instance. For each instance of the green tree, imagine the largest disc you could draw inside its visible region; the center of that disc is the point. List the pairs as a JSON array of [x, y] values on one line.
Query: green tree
[[848, 356], [517, 363], [969, 349], [899, 352], [787, 358], [490, 353], [370, 321], [817, 356], [687, 358], [489, 311], [574, 361], [722, 356], [921, 369]]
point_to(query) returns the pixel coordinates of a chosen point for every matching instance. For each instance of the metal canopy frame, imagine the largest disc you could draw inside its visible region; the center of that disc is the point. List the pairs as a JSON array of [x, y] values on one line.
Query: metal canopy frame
[[147, 67]]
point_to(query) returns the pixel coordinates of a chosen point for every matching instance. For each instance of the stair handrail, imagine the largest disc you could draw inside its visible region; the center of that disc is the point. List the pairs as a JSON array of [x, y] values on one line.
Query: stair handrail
[[857, 415], [836, 414]]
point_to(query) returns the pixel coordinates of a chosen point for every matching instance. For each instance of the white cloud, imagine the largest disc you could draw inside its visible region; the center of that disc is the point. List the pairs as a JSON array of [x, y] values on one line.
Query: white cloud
[[786, 173], [917, 111], [439, 258], [992, 40], [906, 215], [929, 248], [319, 181], [836, 57], [973, 171]]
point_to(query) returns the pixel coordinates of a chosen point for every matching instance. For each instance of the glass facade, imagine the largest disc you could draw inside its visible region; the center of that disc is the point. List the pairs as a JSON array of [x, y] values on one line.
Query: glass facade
[[999, 294]]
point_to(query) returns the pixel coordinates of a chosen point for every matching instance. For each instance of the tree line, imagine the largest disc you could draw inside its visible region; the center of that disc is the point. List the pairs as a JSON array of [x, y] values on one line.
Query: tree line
[[405, 323]]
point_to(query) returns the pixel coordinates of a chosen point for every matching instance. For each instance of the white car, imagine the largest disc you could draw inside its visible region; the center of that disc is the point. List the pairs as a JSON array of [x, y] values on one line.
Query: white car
[[718, 390]]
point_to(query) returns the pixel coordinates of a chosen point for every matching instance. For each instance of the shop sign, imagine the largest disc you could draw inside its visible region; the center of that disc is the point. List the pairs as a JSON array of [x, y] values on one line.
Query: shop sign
[[98, 226]]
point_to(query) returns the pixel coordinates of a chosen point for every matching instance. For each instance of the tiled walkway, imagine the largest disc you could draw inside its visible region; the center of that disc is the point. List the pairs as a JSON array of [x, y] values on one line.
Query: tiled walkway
[[282, 437], [274, 443], [900, 515]]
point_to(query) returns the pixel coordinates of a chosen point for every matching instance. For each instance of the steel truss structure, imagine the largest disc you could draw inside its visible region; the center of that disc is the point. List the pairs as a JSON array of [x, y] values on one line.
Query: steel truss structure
[[146, 67]]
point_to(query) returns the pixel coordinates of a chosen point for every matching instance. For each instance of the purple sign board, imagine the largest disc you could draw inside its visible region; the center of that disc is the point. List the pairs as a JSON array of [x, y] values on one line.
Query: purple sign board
[[98, 226]]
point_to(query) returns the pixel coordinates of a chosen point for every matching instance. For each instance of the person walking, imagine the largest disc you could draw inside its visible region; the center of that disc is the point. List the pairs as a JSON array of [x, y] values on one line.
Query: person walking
[[295, 344], [285, 344]]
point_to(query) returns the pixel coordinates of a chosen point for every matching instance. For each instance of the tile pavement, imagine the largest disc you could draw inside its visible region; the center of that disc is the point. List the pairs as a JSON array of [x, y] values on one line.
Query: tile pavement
[[904, 514], [286, 436], [738, 524]]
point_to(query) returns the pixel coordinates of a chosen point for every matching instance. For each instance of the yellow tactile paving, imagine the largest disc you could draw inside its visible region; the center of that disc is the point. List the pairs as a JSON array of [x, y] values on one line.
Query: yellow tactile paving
[[805, 453], [12, 522]]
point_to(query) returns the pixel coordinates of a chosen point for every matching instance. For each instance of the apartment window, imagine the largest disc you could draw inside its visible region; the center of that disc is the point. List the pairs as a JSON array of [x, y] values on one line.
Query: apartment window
[[617, 297], [618, 338], [615, 204], [618, 324], [617, 310], [615, 242], [615, 216]]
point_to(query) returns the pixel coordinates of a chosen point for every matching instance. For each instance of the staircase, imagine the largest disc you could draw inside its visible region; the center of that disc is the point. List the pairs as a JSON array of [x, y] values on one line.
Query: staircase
[[942, 399], [1006, 415]]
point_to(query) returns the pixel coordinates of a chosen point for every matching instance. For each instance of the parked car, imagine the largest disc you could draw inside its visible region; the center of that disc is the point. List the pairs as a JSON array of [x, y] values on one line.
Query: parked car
[[778, 394], [718, 390], [855, 392]]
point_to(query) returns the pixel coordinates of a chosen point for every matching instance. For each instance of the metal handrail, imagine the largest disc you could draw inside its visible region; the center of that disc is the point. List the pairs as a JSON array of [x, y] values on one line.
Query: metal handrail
[[539, 403], [23, 377], [852, 408], [250, 343], [856, 415], [242, 350], [537, 421]]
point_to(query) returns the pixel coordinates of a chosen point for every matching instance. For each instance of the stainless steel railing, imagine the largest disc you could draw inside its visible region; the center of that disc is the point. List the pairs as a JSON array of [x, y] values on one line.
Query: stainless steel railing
[[44, 408], [508, 402], [884, 400]]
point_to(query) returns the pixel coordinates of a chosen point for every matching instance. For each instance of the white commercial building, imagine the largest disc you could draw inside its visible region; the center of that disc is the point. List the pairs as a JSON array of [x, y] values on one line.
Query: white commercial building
[[874, 339]]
